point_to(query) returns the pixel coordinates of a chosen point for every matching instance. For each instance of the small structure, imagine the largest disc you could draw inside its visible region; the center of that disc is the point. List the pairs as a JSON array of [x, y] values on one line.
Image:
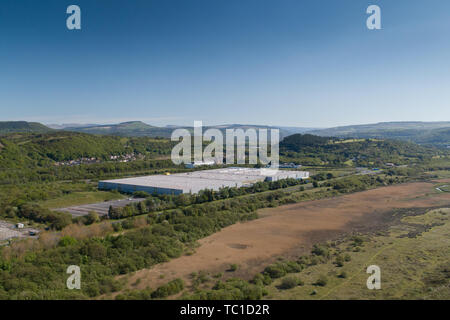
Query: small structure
[[290, 165], [196, 164], [20, 225]]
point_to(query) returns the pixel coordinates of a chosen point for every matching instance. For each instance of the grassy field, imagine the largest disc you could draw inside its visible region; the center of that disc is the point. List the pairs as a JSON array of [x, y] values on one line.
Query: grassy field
[[79, 198], [413, 257]]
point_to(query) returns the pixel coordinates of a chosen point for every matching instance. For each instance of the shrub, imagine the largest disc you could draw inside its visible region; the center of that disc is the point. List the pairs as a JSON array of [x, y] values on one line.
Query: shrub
[[321, 281], [290, 282], [170, 288], [91, 218], [275, 271], [339, 261], [233, 267], [117, 226], [320, 251], [67, 241]]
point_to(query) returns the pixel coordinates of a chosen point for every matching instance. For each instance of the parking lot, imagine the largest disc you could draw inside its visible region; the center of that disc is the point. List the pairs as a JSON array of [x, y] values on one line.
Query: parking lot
[[9, 231], [101, 208]]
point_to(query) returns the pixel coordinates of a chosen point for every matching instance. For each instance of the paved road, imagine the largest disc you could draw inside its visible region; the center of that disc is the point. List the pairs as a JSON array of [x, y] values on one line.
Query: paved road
[[101, 207]]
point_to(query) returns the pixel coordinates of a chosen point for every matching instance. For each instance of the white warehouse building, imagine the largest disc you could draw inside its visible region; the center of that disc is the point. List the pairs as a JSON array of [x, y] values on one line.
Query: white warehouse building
[[193, 182]]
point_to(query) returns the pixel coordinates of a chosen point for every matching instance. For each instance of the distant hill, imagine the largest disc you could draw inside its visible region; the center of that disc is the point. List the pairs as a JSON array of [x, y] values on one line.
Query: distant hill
[[139, 128], [70, 125], [433, 133], [22, 126], [127, 129], [298, 141]]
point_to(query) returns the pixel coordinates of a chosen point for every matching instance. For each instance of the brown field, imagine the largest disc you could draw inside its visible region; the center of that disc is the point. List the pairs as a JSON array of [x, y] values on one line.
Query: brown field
[[291, 230]]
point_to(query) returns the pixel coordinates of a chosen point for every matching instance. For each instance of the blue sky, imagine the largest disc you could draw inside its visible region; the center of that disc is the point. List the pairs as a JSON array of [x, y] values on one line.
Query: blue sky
[[277, 62]]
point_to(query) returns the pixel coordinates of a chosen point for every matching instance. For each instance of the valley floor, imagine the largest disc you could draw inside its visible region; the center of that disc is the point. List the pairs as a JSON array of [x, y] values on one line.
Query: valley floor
[[291, 230]]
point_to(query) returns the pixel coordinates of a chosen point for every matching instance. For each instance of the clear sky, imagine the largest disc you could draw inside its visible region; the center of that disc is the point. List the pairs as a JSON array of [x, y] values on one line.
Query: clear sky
[[276, 62]]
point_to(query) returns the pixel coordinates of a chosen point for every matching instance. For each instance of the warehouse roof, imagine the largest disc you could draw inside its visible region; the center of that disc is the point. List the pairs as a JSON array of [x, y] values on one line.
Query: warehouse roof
[[206, 179]]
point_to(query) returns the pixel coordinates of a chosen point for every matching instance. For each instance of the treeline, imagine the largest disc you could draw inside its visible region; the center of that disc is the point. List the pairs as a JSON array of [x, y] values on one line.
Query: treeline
[[360, 183], [33, 212], [157, 202], [86, 171], [164, 291]]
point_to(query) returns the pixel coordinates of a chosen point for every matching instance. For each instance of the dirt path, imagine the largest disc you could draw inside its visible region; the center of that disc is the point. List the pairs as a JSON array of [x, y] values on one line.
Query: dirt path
[[291, 230]]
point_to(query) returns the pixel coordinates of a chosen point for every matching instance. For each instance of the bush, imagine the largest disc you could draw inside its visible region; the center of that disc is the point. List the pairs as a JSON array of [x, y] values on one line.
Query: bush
[[233, 267], [171, 288], [275, 271], [67, 241], [290, 282], [91, 218], [262, 280], [322, 281], [320, 251], [117, 226], [339, 261], [140, 194]]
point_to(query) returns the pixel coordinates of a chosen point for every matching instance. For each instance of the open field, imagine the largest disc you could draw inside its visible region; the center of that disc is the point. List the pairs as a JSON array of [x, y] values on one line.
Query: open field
[[291, 230], [413, 257]]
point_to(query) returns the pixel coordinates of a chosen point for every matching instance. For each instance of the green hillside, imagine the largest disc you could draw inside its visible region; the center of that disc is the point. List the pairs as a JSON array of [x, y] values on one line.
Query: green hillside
[[127, 129], [313, 150], [22, 126], [433, 133], [30, 150], [141, 129]]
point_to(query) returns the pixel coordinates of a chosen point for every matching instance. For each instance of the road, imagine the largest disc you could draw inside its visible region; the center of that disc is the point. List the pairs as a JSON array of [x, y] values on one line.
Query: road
[[101, 208]]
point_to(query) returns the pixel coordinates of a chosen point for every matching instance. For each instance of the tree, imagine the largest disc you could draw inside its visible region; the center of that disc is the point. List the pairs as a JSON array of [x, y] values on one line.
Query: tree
[[92, 217], [67, 241]]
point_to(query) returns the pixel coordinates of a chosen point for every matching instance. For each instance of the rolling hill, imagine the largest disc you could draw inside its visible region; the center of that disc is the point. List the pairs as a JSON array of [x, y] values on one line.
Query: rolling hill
[[308, 149], [22, 126], [126, 129], [139, 129], [28, 150], [433, 133]]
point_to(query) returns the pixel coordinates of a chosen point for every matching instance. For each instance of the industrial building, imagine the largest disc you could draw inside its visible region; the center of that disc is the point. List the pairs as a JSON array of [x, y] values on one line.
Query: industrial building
[[193, 182], [196, 164]]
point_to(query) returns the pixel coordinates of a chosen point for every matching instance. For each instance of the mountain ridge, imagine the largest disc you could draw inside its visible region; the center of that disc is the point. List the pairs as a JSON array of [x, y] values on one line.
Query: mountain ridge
[[22, 127]]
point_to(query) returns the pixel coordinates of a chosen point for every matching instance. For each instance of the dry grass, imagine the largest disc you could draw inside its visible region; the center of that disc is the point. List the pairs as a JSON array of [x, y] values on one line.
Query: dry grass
[[291, 230]]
